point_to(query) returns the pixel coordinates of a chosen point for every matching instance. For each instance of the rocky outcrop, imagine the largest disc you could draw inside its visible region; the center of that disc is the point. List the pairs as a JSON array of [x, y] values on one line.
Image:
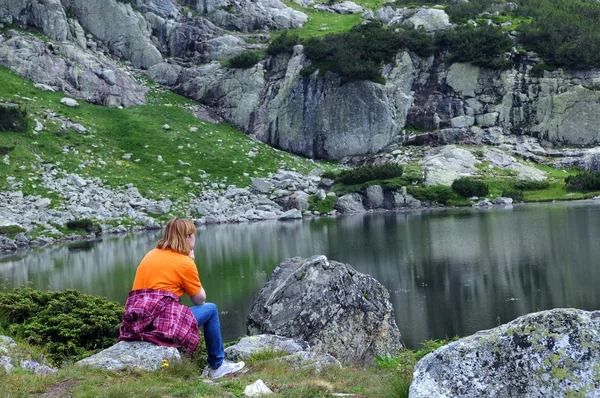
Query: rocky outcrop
[[428, 19], [138, 355], [549, 353], [11, 359], [247, 16], [375, 197], [67, 67], [336, 309]]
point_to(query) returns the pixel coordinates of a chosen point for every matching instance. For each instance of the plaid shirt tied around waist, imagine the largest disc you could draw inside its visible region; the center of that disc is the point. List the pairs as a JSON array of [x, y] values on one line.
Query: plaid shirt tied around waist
[[158, 317]]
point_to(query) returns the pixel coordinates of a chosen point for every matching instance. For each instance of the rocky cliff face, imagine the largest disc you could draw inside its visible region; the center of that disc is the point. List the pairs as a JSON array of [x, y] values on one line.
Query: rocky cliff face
[[316, 116]]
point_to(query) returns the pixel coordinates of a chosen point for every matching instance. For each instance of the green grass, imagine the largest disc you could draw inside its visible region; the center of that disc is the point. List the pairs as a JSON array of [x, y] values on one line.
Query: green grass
[[322, 23], [218, 150]]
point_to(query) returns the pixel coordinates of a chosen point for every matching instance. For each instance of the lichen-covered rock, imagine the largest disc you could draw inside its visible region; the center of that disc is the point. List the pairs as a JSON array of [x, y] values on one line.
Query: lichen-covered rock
[[140, 355], [552, 353], [336, 309], [429, 19]]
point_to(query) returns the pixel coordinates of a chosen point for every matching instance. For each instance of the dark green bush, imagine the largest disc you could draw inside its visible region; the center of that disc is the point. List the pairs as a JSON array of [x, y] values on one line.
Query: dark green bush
[[284, 43], [360, 53], [70, 324], [516, 195], [13, 118], [438, 194], [468, 187], [538, 69], [370, 173], [11, 230], [84, 224], [532, 185], [322, 206], [584, 182], [244, 60], [565, 33], [461, 12], [482, 46]]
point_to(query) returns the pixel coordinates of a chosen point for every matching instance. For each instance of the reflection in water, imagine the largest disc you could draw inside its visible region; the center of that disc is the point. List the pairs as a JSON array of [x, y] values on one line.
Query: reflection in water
[[449, 272]]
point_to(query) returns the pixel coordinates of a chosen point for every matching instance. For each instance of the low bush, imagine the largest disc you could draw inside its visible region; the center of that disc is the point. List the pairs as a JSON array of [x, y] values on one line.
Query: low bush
[[482, 45], [13, 118], [85, 224], [538, 69], [360, 53], [284, 43], [532, 185], [69, 324], [322, 206], [11, 230], [440, 194], [244, 60], [583, 182], [370, 173], [516, 195], [468, 187]]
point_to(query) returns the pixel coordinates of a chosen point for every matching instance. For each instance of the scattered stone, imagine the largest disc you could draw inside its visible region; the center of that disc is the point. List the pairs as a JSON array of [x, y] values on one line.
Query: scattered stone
[[292, 214], [166, 127], [503, 201], [69, 102], [250, 345], [257, 389], [261, 185]]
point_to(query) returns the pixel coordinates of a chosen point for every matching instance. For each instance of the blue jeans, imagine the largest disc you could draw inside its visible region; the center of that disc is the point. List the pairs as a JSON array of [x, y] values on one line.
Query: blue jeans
[[208, 316]]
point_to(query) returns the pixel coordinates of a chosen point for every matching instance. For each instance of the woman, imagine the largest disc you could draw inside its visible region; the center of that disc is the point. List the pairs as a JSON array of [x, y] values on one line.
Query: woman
[[153, 311]]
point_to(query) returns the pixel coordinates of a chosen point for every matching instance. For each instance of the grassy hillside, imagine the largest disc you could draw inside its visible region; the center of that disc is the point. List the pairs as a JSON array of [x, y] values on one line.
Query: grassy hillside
[[122, 146]]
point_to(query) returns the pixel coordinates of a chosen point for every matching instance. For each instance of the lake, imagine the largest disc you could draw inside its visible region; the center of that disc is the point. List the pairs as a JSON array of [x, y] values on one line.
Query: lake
[[449, 272]]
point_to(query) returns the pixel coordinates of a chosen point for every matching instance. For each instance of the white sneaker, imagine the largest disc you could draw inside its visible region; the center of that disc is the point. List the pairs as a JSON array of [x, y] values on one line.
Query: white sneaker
[[226, 368]]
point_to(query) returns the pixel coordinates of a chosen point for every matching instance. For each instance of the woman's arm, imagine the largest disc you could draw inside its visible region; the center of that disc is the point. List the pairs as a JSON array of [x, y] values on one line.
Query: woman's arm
[[199, 298]]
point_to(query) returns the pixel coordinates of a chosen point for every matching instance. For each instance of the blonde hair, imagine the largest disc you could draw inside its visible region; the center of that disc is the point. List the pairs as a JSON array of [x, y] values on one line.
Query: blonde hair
[[175, 237]]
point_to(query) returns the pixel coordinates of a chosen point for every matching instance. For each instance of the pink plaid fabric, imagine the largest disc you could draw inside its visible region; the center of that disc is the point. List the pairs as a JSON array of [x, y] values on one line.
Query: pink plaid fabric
[[158, 317]]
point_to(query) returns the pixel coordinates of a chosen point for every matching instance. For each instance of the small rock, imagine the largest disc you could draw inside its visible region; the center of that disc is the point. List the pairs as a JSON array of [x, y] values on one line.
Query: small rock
[[166, 127], [257, 389], [69, 102]]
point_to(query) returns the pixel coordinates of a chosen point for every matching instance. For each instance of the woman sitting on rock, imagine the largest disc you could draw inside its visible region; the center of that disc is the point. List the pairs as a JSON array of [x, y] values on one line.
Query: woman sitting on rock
[[153, 311]]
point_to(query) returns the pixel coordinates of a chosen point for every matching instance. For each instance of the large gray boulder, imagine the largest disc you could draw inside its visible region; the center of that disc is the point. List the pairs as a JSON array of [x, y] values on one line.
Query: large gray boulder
[[445, 164], [48, 15], [333, 307], [67, 67], [545, 354], [350, 203], [429, 19], [139, 355]]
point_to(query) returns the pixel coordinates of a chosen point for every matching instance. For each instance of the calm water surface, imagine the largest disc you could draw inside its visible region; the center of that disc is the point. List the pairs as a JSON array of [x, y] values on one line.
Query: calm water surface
[[449, 272]]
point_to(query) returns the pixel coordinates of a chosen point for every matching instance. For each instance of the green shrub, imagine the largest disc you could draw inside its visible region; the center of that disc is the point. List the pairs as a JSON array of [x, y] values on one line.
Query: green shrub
[[244, 60], [516, 195], [69, 324], [461, 12], [468, 187], [439, 194], [284, 43], [13, 118], [360, 53], [565, 33], [532, 185], [322, 206], [583, 182], [538, 69], [85, 224], [370, 173], [482, 46], [11, 230]]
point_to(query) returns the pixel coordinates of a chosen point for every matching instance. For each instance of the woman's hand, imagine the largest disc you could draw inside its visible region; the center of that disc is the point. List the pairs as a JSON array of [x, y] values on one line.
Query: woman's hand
[[191, 255]]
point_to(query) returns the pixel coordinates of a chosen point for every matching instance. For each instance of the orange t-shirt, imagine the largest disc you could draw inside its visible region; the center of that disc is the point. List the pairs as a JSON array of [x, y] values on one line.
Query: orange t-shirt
[[169, 270]]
